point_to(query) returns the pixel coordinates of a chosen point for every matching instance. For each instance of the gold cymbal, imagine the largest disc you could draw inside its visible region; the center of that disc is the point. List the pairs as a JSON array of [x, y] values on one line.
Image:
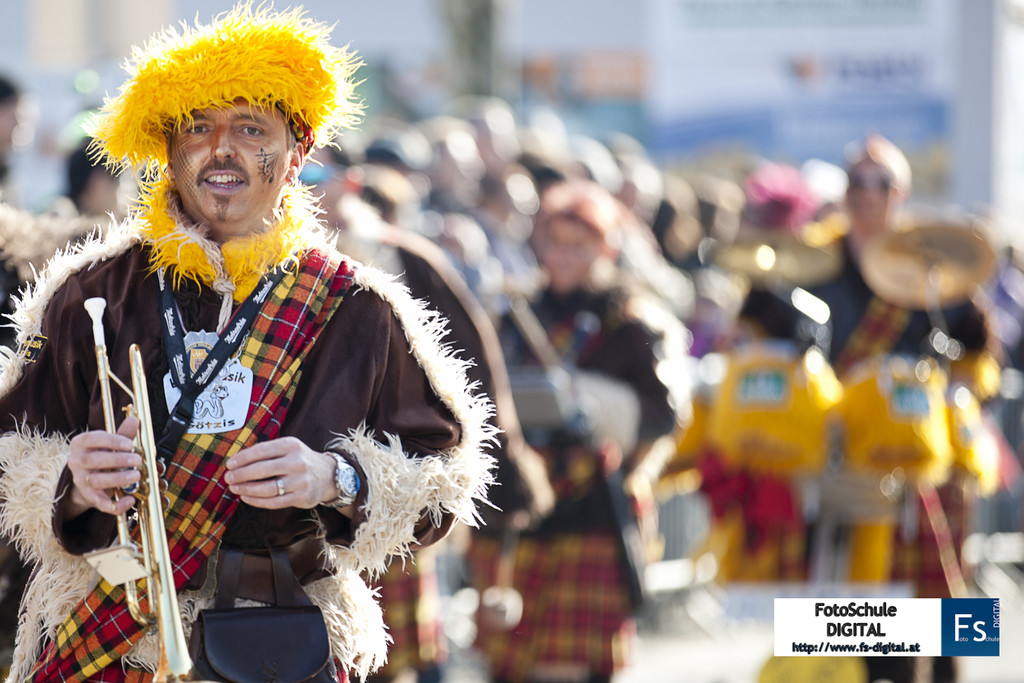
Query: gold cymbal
[[780, 257], [928, 264]]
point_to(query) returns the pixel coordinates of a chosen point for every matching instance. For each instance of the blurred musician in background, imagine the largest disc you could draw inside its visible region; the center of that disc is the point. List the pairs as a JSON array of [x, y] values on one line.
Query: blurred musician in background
[[621, 355], [912, 349], [768, 422]]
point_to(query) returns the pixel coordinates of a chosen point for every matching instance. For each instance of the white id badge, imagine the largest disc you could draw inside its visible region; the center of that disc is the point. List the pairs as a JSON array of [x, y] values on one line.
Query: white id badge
[[223, 405]]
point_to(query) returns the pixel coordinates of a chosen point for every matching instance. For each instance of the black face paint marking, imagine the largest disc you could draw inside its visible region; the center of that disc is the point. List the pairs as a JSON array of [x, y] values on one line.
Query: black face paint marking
[[268, 162]]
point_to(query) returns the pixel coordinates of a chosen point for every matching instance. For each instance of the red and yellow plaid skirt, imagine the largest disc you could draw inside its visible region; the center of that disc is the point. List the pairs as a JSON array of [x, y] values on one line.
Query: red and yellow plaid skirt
[[410, 598], [576, 607]]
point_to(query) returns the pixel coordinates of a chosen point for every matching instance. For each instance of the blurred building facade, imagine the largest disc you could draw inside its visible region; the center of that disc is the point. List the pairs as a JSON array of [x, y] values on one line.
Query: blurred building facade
[[700, 82]]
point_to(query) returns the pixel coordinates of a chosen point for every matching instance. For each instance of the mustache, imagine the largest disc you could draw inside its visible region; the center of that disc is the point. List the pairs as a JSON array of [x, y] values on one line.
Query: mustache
[[221, 166]]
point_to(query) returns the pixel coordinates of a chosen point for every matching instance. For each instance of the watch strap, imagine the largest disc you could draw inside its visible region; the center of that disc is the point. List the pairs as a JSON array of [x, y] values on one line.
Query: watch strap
[[344, 499]]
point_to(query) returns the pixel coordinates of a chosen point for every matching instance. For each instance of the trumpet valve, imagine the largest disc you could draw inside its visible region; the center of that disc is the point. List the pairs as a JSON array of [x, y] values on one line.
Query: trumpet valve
[[140, 489]]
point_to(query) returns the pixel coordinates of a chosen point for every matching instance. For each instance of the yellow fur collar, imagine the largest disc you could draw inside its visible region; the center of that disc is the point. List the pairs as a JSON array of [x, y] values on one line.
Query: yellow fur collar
[[185, 250]]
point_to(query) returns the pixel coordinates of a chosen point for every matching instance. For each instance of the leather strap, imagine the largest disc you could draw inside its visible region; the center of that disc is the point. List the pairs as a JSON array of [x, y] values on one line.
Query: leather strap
[[229, 574], [284, 580], [264, 576]]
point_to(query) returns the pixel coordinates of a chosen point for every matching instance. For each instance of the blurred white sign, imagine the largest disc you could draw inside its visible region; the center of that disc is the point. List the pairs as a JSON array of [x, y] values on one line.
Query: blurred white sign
[[796, 79]]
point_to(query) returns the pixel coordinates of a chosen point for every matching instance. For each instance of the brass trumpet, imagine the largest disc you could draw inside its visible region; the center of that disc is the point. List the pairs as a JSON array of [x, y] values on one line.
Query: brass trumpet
[[124, 563]]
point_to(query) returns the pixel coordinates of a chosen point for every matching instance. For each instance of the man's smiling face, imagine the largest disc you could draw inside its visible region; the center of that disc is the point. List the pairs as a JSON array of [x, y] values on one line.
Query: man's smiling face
[[230, 166]]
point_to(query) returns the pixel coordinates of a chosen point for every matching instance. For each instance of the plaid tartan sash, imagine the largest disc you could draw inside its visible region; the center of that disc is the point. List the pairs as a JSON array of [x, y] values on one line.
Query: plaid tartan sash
[[100, 629], [878, 330]]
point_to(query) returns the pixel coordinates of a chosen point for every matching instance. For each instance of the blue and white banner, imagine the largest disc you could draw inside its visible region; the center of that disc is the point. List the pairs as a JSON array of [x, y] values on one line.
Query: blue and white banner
[[947, 627]]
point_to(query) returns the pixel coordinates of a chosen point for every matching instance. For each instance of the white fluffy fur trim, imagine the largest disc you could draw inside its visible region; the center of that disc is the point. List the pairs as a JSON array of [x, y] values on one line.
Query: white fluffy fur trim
[[354, 621], [31, 465], [401, 489], [31, 304]]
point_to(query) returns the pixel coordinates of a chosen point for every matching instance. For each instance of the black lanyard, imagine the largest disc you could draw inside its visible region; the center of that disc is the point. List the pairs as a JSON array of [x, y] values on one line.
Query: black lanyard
[[191, 385]]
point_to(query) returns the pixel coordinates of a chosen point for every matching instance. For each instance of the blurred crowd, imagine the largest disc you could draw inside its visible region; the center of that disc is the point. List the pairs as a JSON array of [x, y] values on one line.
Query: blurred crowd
[[816, 363]]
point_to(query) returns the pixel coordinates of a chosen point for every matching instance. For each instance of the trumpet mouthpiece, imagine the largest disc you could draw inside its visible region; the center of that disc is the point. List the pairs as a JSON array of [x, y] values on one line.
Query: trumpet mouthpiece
[[95, 307]]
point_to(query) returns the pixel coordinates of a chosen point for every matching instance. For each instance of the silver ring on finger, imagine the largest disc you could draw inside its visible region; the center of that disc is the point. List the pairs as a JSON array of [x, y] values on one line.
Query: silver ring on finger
[[88, 476], [280, 487]]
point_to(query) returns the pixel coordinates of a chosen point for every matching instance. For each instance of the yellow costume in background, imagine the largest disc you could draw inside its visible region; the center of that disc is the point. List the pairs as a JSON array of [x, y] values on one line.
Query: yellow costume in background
[[769, 424], [774, 410]]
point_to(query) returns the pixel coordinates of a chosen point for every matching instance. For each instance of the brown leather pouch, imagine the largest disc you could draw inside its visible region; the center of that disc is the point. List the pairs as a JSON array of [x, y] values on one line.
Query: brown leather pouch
[[286, 643]]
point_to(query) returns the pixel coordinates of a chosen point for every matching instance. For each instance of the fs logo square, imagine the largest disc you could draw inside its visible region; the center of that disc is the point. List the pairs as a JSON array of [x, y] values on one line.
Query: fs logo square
[[970, 627]]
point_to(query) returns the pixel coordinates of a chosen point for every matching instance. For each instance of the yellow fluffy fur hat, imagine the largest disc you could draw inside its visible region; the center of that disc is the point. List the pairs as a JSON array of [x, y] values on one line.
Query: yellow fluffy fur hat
[[270, 59], [267, 58]]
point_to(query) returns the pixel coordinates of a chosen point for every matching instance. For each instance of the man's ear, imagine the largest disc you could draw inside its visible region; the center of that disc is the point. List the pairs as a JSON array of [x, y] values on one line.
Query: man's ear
[[295, 163]]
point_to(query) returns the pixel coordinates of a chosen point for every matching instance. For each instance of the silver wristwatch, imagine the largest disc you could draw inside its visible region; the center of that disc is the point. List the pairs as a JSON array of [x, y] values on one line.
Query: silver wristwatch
[[346, 479]]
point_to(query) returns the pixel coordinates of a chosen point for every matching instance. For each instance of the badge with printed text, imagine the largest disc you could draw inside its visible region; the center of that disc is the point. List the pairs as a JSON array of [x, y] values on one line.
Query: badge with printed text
[[223, 405], [32, 347]]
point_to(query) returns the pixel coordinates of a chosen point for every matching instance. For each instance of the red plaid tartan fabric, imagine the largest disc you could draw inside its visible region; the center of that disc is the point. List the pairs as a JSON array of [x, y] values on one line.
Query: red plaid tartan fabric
[[410, 598], [877, 332], [100, 629], [576, 607]]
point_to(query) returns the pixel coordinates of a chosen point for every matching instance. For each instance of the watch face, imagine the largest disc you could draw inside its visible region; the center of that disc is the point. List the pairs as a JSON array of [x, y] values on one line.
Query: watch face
[[348, 480]]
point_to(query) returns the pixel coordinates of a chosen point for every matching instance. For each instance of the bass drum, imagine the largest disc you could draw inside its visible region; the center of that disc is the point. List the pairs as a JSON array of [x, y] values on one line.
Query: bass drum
[[773, 412], [895, 416]]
